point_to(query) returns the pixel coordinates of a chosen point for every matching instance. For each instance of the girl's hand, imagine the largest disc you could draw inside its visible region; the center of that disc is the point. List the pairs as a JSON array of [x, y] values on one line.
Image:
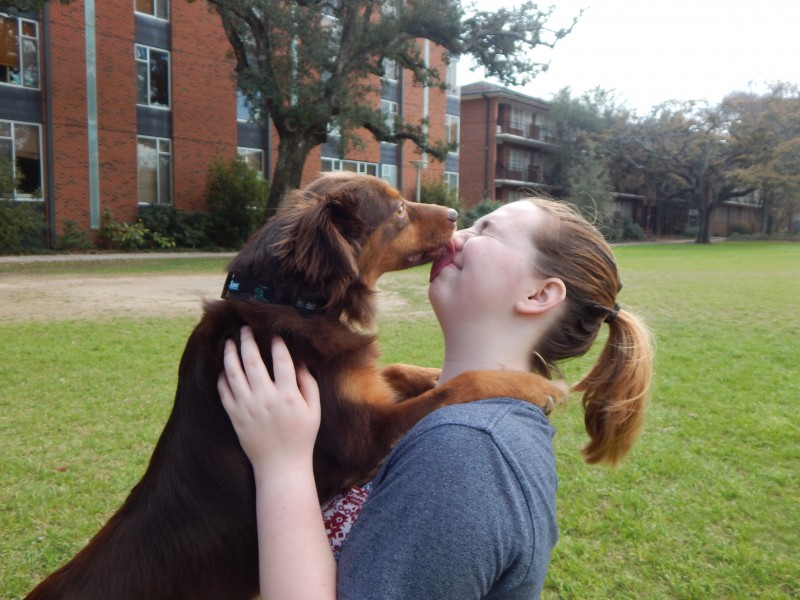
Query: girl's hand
[[276, 421]]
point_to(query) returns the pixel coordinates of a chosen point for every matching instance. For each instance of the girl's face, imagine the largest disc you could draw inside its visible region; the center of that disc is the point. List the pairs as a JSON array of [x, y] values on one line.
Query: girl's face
[[493, 264]]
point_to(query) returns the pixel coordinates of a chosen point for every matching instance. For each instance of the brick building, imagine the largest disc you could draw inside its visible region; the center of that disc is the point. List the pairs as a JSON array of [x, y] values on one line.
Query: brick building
[[126, 102], [505, 144]]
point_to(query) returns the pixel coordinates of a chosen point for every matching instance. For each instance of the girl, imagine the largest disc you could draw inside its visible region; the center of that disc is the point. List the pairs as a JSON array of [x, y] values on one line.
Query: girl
[[464, 506]]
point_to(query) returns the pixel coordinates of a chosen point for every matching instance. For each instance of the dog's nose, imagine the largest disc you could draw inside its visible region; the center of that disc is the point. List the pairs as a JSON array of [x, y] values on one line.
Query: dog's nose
[[452, 215]]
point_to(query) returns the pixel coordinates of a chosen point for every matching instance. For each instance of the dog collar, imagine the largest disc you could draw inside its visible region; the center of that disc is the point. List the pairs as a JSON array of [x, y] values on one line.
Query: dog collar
[[238, 287]]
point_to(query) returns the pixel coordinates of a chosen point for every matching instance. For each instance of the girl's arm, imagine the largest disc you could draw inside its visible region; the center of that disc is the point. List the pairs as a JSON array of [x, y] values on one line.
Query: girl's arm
[[277, 423]]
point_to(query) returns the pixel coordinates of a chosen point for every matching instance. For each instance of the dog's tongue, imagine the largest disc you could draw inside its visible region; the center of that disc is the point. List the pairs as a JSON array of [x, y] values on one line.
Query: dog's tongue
[[446, 257]]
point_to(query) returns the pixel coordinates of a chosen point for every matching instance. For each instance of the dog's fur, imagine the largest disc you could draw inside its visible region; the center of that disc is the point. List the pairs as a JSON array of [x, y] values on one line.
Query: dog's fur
[[188, 528]]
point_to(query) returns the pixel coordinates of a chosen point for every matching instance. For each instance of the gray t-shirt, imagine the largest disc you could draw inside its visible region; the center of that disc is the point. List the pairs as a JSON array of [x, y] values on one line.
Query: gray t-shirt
[[463, 508]]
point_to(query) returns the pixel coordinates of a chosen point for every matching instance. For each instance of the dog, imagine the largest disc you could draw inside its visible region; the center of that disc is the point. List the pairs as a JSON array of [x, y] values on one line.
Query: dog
[[188, 528]]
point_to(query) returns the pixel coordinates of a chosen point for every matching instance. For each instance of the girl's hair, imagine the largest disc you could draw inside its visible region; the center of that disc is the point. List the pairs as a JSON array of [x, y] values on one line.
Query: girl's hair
[[615, 389]]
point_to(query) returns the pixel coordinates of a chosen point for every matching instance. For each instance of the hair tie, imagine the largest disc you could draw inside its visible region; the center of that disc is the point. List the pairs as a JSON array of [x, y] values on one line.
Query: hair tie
[[612, 314]]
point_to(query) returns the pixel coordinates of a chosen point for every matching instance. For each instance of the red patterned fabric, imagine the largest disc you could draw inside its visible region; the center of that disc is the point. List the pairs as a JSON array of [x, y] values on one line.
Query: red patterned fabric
[[339, 514]]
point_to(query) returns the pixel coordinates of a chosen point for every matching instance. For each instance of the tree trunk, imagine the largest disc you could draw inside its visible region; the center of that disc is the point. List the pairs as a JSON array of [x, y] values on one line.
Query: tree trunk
[[704, 233], [293, 149]]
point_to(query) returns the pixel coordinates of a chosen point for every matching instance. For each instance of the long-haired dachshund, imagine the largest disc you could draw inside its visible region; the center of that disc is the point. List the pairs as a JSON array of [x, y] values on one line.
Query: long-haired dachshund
[[188, 528]]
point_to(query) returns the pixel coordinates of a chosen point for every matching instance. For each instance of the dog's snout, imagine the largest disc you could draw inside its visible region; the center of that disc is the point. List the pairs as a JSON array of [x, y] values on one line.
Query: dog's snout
[[452, 215]]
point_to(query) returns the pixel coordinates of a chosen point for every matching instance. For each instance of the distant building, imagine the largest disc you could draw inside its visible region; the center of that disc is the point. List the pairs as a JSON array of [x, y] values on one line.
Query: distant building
[[506, 144], [109, 105]]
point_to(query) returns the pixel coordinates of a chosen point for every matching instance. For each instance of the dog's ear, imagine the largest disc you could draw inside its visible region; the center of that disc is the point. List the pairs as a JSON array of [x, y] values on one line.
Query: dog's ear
[[320, 243]]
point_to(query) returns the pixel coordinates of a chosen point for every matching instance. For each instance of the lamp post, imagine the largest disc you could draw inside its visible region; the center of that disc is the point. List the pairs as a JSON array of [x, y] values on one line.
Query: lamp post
[[419, 165]]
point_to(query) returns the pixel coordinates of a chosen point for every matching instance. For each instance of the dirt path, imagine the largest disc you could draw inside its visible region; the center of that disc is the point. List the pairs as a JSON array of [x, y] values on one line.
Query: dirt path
[[67, 297], [49, 297]]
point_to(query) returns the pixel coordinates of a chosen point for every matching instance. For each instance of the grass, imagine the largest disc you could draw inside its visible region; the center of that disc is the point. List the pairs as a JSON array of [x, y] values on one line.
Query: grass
[[706, 506]]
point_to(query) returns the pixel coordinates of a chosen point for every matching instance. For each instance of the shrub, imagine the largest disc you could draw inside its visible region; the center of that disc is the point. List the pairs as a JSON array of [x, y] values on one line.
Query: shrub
[[236, 197], [484, 207], [130, 236], [73, 238], [187, 229], [22, 226]]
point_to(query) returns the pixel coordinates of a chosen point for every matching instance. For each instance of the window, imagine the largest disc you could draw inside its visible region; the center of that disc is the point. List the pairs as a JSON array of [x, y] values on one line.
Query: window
[[518, 160], [451, 181], [253, 157], [244, 110], [154, 170], [20, 150], [452, 127], [152, 77], [390, 111], [19, 52], [391, 70], [355, 166], [520, 119], [154, 8], [451, 77], [389, 174]]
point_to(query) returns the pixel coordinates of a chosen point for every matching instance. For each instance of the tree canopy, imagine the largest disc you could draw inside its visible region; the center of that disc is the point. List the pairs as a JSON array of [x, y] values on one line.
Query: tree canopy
[[314, 66]]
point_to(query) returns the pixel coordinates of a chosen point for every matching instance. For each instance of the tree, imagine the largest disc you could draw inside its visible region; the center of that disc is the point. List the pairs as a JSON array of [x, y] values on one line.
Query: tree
[[314, 65], [769, 128], [689, 150]]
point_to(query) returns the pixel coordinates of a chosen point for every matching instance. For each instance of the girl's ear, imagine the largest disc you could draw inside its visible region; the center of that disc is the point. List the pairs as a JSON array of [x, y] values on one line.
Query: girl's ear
[[548, 294]]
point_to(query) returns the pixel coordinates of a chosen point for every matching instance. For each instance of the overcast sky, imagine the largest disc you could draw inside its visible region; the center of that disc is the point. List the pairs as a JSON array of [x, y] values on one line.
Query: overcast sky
[[650, 51]]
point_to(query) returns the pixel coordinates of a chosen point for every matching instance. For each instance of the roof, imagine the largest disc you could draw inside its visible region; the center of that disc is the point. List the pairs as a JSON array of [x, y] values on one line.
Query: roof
[[485, 88]]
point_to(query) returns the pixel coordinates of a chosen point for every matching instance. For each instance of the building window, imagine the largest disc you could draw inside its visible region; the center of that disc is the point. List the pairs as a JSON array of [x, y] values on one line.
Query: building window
[[355, 166], [19, 52], [389, 174], [391, 70], [520, 119], [519, 160], [244, 110], [451, 181], [390, 110], [451, 77], [20, 150], [253, 157], [452, 126], [154, 8], [152, 76], [154, 166]]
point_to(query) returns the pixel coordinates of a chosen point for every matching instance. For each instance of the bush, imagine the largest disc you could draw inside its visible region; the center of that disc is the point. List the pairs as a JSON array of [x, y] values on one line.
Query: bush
[[236, 197], [73, 238], [187, 229], [484, 207], [22, 226], [130, 236]]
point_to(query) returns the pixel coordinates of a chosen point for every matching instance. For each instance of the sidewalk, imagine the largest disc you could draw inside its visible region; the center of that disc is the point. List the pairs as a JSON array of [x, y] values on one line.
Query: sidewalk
[[118, 256]]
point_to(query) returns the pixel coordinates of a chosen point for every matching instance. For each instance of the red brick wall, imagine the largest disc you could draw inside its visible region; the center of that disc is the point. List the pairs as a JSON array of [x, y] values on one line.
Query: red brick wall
[[203, 100], [68, 80], [116, 107], [472, 152]]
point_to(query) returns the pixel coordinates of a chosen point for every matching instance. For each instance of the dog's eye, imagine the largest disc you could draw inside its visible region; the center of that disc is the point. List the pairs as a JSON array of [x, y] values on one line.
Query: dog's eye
[[401, 210]]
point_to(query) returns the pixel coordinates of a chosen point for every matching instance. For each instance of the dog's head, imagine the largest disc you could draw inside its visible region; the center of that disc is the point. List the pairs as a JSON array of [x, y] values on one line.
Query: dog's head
[[330, 242]]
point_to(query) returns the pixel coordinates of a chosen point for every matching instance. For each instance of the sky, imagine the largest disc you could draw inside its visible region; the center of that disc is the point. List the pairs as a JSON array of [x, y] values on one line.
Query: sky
[[650, 51]]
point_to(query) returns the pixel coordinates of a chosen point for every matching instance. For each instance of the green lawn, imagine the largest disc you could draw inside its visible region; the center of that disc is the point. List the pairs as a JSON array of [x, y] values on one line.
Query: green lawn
[[706, 506]]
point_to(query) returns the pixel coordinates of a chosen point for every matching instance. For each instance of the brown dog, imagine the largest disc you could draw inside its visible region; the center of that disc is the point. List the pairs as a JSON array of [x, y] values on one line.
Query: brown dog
[[188, 528]]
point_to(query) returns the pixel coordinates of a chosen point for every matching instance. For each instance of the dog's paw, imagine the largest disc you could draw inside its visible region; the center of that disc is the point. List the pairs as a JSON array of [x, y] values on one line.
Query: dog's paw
[[408, 381]]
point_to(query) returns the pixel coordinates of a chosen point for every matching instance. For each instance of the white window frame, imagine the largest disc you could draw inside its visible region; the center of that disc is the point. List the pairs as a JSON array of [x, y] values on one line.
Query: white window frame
[[390, 110], [389, 173], [356, 166], [154, 14], [12, 125], [246, 153], [452, 122], [160, 144], [150, 49], [451, 77], [21, 38], [391, 70], [519, 160], [451, 180]]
